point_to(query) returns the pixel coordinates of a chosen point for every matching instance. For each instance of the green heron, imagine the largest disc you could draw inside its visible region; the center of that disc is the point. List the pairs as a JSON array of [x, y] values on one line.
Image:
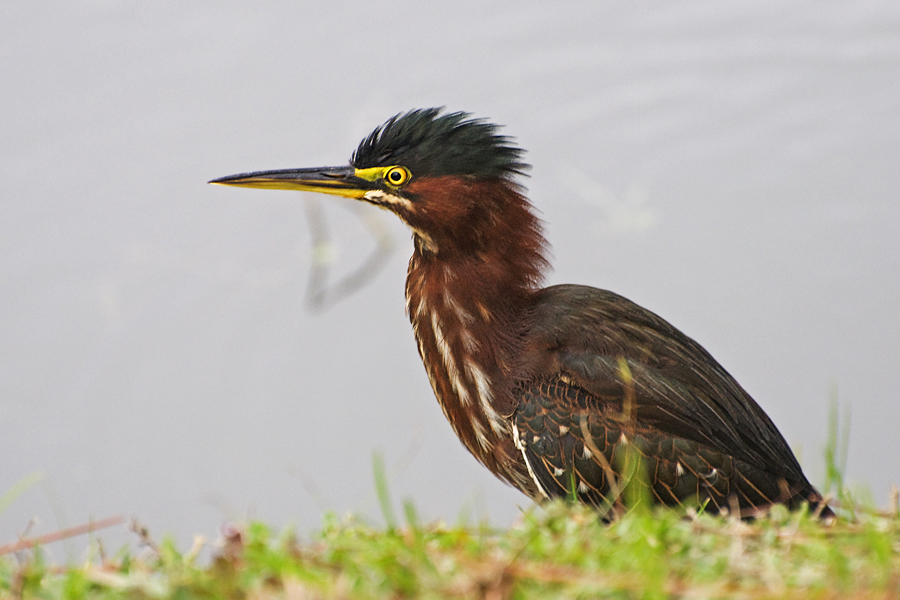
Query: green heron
[[549, 388]]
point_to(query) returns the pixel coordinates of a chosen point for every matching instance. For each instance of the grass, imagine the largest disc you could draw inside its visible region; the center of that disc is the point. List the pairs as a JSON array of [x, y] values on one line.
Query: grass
[[561, 550], [558, 550]]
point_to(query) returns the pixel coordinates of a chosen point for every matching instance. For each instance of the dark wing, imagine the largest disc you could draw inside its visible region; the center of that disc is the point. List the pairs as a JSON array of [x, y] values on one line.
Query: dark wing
[[579, 448], [602, 370]]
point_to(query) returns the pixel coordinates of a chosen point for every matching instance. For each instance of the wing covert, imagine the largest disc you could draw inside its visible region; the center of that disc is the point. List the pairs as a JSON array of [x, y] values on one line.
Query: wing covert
[[578, 447], [618, 353]]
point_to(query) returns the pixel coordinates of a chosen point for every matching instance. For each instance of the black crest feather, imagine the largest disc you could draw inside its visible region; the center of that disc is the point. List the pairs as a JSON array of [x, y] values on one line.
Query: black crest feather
[[429, 143]]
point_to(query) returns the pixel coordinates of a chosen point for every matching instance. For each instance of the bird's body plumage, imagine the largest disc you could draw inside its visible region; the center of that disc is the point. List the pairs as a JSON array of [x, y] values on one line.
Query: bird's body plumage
[[641, 381], [549, 388]]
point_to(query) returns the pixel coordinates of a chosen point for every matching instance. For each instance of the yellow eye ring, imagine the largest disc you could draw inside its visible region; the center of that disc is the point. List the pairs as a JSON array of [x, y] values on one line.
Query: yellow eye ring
[[396, 176]]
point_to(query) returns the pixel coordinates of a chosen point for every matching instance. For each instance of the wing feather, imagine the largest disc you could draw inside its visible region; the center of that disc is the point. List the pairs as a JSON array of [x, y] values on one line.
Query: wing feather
[[604, 377]]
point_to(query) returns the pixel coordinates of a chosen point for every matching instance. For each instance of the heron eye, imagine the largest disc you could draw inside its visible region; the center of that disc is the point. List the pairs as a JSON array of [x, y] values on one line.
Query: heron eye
[[397, 176]]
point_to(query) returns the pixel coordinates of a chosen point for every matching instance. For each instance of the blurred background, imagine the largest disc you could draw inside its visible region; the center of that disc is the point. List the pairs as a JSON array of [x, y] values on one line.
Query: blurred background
[[733, 167]]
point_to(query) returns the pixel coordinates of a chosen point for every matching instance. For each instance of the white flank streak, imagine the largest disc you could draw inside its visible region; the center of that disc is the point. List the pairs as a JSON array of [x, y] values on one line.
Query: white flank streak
[[438, 396], [449, 275], [464, 316], [419, 340], [521, 447], [498, 424], [430, 374], [470, 344], [449, 302], [481, 435], [447, 355]]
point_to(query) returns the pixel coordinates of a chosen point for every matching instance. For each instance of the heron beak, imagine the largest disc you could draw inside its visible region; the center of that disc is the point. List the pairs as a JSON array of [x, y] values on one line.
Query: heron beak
[[338, 181]]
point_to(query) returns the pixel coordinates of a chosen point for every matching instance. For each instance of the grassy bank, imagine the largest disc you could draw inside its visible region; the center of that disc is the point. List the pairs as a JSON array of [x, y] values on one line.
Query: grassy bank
[[558, 551]]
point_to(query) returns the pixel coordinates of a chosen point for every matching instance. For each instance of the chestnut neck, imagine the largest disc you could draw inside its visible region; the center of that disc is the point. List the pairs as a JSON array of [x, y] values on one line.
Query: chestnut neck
[[468, 299], [487, 261]]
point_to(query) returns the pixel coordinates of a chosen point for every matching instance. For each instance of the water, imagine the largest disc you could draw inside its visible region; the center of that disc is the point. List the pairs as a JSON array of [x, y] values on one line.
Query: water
[[732, 167]]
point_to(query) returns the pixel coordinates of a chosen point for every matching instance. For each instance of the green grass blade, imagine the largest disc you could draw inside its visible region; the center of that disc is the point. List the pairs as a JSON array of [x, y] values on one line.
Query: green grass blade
[[382, 489], [19, 488]]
